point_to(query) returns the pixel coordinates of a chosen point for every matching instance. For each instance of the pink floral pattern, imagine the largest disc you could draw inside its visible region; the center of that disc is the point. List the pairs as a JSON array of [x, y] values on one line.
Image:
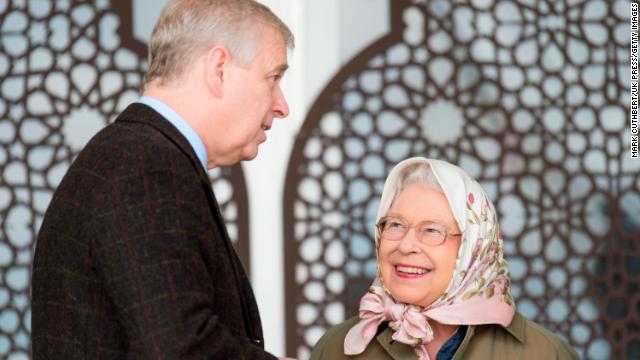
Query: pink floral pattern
[[491, 271]]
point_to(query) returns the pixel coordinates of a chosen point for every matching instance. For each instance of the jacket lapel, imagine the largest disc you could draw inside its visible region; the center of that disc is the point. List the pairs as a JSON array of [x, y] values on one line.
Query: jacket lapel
[[395, 349]]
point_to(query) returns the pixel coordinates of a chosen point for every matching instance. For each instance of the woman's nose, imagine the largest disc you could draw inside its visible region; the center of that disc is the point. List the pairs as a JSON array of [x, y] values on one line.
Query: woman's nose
[[409, 242]]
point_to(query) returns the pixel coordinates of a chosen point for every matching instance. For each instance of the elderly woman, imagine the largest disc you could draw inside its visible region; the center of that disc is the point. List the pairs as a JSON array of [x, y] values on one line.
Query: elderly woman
[[442, 290]]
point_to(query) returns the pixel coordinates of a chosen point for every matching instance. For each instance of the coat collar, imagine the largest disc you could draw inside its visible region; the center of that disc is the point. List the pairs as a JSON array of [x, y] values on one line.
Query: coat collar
[[143, 114], [516, 328], [398, 350]]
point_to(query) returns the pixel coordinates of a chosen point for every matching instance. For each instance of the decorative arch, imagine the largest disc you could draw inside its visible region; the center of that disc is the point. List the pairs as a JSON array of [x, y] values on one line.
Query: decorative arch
[[530, 98]]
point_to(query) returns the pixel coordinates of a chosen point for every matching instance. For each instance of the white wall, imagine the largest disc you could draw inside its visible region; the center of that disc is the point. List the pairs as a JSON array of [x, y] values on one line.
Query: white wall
[[326, 38]]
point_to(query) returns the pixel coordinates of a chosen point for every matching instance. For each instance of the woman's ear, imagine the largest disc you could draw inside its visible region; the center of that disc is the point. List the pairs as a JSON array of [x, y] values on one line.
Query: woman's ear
[[217, 62]]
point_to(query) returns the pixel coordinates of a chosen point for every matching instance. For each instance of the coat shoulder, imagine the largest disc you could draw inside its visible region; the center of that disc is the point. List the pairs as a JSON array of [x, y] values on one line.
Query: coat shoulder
[[522, 339], [538, 338], [331, 344]]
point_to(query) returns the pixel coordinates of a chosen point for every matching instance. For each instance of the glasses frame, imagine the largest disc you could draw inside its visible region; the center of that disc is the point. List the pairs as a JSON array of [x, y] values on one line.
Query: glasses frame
[[384, 220]]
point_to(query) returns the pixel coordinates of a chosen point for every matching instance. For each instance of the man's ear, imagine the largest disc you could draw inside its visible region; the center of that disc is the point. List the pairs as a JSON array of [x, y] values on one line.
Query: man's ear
[[216, 63]]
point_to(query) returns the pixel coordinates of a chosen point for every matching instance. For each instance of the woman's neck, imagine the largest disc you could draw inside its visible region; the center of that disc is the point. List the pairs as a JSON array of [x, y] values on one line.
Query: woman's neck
[[441, 333]]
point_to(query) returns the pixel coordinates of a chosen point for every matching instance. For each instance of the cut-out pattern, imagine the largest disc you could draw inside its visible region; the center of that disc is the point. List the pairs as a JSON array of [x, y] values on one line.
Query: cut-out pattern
[[66, 70], [529, 98]]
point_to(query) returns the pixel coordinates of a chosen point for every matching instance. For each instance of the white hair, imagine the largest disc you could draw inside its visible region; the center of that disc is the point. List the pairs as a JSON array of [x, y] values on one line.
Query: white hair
[[187, 28], [417, 174]]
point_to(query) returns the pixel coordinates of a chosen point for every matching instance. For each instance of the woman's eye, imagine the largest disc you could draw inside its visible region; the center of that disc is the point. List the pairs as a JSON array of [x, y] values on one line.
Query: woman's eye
[[396, 225], [431, 230]]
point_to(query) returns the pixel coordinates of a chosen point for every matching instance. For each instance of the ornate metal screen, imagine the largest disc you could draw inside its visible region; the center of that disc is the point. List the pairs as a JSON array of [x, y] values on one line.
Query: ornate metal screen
[[67, 68], [530, 98]]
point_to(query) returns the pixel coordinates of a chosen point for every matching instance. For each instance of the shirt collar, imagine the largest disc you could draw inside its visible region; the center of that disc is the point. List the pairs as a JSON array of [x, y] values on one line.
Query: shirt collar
[[181, 124]]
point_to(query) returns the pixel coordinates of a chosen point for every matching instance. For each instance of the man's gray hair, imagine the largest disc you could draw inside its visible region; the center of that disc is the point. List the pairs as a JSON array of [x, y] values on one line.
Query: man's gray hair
[[188, 28]]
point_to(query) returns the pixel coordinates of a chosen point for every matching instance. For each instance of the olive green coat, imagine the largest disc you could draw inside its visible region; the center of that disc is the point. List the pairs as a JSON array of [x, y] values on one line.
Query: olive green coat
[[522, 339]]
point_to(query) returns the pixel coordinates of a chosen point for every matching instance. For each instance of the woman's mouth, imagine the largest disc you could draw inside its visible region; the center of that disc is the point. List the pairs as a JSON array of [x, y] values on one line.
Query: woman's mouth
[[410, 271]]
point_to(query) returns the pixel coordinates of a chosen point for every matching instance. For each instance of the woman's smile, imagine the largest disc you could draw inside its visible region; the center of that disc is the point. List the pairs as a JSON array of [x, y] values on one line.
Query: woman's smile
[[411, 271]]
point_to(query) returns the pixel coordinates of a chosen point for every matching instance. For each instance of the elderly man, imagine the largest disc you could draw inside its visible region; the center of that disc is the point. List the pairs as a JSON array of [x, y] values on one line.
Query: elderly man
[[133, 259]]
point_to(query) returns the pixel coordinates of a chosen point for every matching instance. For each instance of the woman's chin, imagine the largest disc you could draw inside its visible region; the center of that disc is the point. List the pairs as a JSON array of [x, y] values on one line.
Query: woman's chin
[[410, 299]]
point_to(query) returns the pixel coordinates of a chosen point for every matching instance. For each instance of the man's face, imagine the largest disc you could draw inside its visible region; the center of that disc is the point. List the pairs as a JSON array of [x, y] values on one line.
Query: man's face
[[252, 97]]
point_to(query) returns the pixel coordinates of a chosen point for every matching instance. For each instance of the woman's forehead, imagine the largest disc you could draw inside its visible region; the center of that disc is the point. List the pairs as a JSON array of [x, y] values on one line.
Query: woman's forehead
[[421, 203]]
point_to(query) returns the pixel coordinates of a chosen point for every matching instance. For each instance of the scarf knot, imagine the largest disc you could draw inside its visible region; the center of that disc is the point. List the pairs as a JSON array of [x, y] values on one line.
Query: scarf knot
[[410, 325]]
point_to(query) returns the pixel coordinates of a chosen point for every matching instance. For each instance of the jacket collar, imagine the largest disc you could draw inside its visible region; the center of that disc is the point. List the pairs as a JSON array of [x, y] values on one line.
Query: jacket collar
[[143, 114], [516, 328], [398, 350]]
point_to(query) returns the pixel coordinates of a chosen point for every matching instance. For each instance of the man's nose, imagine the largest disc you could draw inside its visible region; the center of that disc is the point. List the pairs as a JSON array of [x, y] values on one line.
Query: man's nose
[[280, 107]]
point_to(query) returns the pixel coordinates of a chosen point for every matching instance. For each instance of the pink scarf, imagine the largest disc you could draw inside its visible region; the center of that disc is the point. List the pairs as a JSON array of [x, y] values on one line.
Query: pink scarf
[[478, 292]]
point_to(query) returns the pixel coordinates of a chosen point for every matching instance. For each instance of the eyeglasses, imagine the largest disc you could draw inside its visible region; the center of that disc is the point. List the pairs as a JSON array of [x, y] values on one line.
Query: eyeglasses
[[427, 232]]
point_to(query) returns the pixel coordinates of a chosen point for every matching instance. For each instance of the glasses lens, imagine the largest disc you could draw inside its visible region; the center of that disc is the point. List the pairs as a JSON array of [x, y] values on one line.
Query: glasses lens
[[427, 232], [431, 233], [393, 229]]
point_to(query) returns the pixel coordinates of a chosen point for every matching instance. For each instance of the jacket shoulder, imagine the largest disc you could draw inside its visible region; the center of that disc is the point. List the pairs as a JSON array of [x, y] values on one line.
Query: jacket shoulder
[[130, 149], [538, 337], [331, 344], [522, 339]]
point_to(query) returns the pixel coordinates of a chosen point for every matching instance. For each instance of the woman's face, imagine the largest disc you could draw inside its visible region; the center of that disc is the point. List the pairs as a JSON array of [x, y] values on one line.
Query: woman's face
[[415, 273]]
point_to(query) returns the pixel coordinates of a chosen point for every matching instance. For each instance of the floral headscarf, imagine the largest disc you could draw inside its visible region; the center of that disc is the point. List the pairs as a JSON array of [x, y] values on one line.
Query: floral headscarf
[[478, 292]]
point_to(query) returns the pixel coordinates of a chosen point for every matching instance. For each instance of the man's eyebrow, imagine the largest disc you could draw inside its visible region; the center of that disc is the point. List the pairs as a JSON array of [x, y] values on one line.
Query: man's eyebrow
[[281, 68]]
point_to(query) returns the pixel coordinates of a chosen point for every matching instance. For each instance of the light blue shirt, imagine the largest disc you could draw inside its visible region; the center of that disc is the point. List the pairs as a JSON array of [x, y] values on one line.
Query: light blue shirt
[[176, 120]]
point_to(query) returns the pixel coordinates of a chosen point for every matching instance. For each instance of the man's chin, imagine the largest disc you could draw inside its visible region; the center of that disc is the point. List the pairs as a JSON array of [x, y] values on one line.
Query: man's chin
[[250, 154]]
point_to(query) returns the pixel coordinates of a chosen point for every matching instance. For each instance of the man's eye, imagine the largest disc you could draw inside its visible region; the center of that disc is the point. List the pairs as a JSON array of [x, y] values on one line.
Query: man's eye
[[395, 225]]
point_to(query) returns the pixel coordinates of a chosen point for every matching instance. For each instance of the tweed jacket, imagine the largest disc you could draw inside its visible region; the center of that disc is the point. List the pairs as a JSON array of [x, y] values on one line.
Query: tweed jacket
[[133, 259], [522, 339]]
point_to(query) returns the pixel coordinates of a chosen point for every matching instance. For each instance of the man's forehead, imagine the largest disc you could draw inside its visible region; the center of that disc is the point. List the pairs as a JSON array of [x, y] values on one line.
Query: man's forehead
[[276, 57]]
